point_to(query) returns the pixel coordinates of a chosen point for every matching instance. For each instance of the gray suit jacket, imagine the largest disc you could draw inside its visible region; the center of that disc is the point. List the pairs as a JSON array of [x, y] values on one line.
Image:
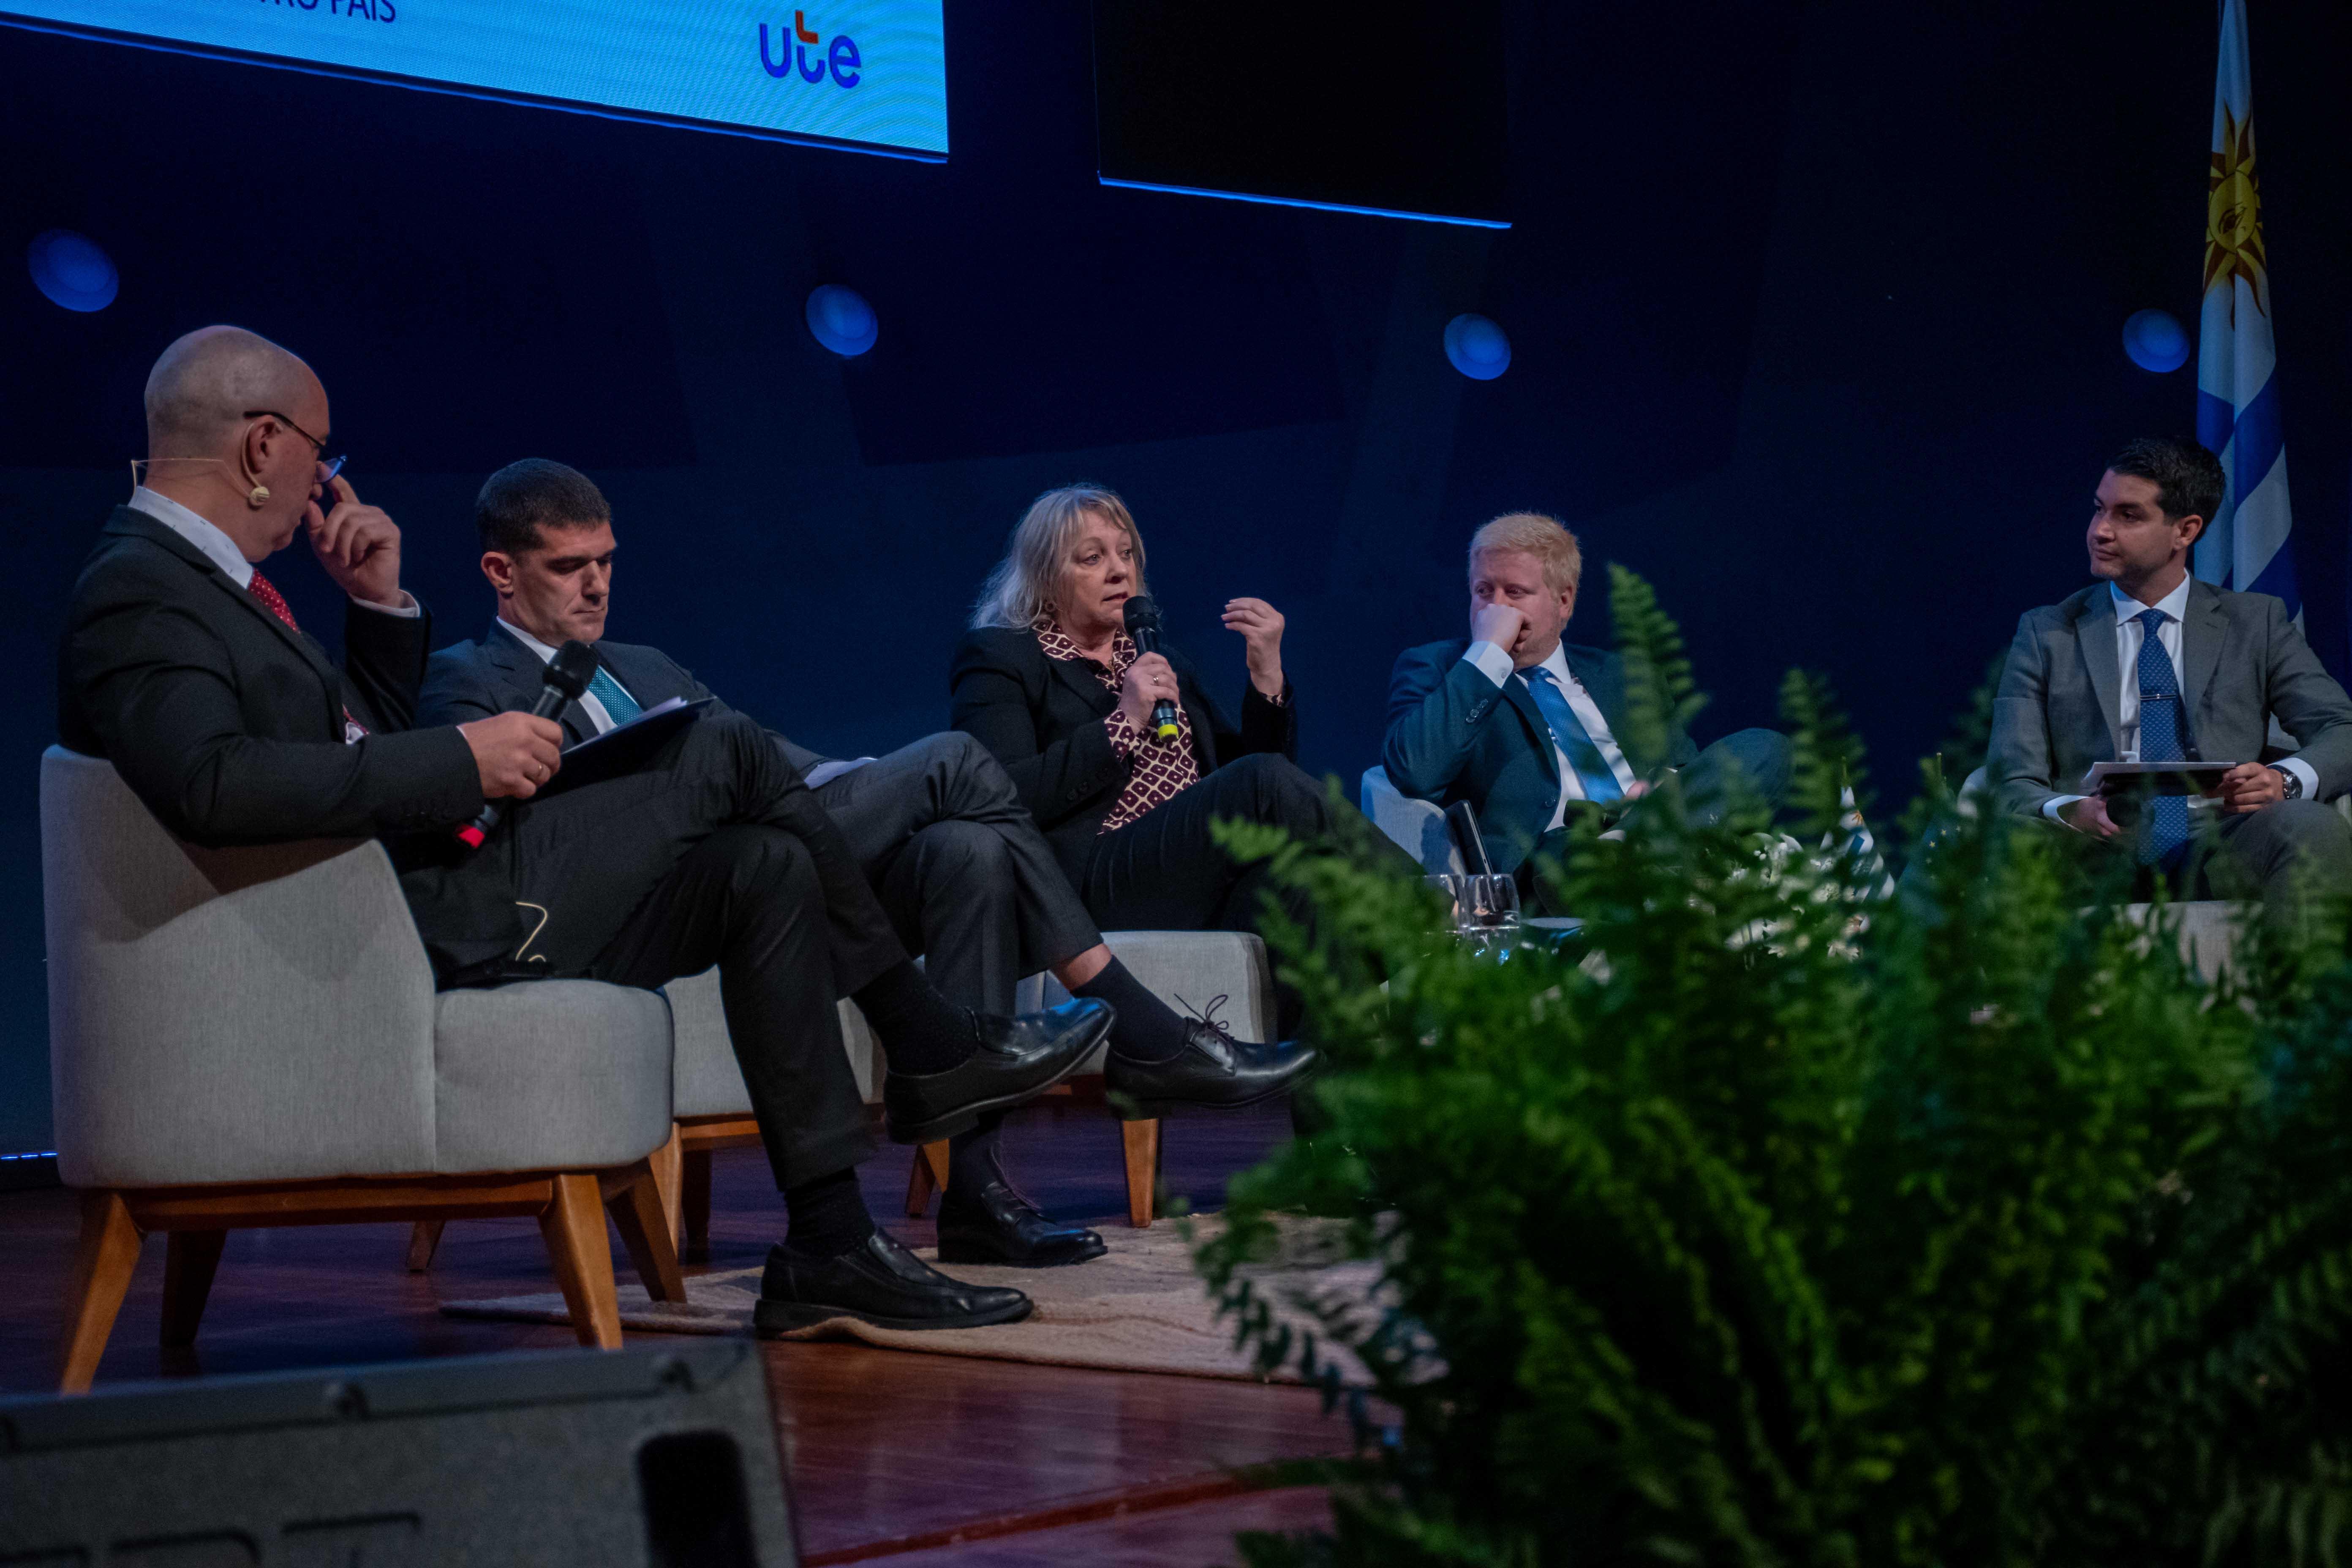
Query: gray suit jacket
[[2242, 662]]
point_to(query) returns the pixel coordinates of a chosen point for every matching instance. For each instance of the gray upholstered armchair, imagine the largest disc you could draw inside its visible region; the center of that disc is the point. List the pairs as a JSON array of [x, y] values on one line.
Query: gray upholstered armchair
[[251, 1038], [1415, 826], [1188, 970]]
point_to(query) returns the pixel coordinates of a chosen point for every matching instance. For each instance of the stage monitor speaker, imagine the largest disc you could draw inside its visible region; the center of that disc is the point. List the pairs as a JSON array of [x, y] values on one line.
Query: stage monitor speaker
[[657, 1457]]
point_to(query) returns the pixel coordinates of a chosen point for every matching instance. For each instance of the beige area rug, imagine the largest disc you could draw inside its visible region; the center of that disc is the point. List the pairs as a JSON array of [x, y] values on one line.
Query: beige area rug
[[1138, 1307]]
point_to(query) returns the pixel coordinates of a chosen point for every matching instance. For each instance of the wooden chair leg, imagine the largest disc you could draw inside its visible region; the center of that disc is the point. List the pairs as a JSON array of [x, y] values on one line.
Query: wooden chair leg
[[573, 1226], [694, 1197], [1142, 1144], [928, 1175], [424, 1241], [638, 1214], [102, 1276], [190, 1256], [668, 1162]]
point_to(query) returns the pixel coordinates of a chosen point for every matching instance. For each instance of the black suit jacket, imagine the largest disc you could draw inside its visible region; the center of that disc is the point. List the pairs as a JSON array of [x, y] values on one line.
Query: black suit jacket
[[228, 723], [1043, 718], [471, 680]]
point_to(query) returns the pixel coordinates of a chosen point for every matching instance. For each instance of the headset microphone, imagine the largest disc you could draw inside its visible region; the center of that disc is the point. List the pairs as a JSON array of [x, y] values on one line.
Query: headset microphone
[[567, 674], [1143, 625]]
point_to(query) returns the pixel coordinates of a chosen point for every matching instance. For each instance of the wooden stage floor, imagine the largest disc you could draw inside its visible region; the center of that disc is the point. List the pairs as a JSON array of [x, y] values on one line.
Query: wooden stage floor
[[900, 1459]]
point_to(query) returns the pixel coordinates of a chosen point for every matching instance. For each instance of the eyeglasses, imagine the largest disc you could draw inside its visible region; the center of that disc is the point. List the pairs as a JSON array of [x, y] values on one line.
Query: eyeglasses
[[332, 466]]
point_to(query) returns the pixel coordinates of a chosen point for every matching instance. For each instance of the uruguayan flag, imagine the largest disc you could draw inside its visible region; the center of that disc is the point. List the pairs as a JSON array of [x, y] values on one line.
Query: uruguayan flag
[[2237, 396]]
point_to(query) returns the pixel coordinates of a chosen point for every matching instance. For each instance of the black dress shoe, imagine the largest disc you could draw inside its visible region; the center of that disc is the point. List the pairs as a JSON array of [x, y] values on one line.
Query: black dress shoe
[[1017, 1058], [997, 1224], [1212, 1070], [880, 1283]]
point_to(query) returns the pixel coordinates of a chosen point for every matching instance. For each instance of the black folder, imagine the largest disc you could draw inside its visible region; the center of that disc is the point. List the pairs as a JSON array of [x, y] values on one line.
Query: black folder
[[626, 748]]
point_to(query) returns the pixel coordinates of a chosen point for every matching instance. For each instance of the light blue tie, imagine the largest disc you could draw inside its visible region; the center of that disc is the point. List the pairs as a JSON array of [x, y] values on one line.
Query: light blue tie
[[2160, 741], [1568, 734], [614, 696]]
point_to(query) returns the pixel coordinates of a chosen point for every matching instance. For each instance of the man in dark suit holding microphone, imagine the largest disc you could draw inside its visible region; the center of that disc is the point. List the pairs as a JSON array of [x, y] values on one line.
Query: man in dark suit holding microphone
[[183, 666]]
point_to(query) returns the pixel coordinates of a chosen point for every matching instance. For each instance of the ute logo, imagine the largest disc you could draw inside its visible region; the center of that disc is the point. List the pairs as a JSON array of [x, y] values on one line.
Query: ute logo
[[839, 59]]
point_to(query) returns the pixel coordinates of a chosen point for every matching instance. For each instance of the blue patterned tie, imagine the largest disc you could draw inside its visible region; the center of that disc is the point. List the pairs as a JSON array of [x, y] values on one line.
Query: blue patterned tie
[[2160, 741], [1568, 734], [614, 696]]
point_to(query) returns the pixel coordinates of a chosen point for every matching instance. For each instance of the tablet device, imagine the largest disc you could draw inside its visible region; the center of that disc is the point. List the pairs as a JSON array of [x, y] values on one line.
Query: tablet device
[[2163, 778], [626, 748]]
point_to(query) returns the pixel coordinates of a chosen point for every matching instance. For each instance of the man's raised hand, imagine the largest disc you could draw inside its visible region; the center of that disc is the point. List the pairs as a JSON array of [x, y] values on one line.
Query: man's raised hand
[[515, 752], [358, 545], [1498, 623]]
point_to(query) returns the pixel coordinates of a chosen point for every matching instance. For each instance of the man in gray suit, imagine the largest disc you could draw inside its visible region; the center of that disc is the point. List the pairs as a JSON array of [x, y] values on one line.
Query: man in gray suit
[[2153, 666]]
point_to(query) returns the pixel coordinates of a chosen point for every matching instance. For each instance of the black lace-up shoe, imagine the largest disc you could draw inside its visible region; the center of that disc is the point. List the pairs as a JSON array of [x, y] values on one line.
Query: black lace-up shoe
[[879, 1283], [1018, 1058], [997, 1224], [1212, 1070]]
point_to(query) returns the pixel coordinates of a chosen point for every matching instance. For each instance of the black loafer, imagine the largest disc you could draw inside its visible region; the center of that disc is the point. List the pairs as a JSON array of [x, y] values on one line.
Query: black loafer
[[1018, 1058], [1212, 1070], [880, 1283], [998, 1226]]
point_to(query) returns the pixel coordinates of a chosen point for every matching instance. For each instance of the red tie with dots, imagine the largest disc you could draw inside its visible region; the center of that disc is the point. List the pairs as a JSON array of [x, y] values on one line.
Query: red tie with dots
[[266, 593]]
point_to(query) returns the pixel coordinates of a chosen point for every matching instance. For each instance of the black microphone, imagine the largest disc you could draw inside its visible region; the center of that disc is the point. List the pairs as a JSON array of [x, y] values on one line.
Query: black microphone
[[567, 674], [1143, 625], [1462, 824]]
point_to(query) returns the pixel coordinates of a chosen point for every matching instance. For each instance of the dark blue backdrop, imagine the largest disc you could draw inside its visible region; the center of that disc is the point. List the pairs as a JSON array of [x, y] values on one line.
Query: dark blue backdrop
[[1815, 311]]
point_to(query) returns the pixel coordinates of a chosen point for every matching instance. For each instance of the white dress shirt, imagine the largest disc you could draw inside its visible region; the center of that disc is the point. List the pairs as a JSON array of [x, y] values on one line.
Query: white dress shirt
[[822, 772], [221, 551], [1495, 664], [2129, 636]]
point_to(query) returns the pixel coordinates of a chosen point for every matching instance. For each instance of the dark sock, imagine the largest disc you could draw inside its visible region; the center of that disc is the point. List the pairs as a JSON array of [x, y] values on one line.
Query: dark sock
[[1147, 1029], [826, 1217], [973, 1160], [1289, 1012], [920, 1029]]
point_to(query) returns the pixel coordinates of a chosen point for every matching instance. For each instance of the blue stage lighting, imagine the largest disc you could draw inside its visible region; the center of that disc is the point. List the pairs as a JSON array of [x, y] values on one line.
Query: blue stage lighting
[[842, 320], [72, 270], [1477, 347], [2155, 340]]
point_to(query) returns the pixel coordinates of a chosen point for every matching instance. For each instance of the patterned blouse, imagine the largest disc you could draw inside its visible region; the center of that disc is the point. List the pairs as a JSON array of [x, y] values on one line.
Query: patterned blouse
[[1160, 770]]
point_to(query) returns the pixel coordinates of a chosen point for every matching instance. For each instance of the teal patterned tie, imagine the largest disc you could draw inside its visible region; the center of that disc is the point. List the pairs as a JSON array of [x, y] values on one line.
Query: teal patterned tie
[[614, 696]]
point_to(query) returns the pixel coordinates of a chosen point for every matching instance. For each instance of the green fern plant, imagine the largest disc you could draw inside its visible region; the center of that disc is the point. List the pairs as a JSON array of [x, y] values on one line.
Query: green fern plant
[[1789, 1224]]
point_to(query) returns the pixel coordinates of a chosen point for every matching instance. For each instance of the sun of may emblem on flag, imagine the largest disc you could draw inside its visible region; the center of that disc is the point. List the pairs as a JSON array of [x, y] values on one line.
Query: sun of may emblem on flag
[[2233, 213]]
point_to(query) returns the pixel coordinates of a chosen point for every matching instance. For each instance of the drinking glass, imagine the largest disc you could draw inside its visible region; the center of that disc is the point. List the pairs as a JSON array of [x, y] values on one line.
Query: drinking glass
[[1487, 914], [1448, 887]]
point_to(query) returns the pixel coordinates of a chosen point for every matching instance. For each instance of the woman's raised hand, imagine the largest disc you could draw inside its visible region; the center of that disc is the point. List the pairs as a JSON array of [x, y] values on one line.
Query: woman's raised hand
[[1260, 624]]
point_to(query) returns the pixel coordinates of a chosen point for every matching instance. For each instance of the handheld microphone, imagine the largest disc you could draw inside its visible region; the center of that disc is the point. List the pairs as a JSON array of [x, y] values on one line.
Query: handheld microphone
[[567, 674], [1462, 824], [1143, 625]]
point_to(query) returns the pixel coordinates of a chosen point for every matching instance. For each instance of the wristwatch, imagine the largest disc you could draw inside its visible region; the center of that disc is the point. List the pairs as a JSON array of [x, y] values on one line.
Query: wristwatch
[[2287, 776]]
